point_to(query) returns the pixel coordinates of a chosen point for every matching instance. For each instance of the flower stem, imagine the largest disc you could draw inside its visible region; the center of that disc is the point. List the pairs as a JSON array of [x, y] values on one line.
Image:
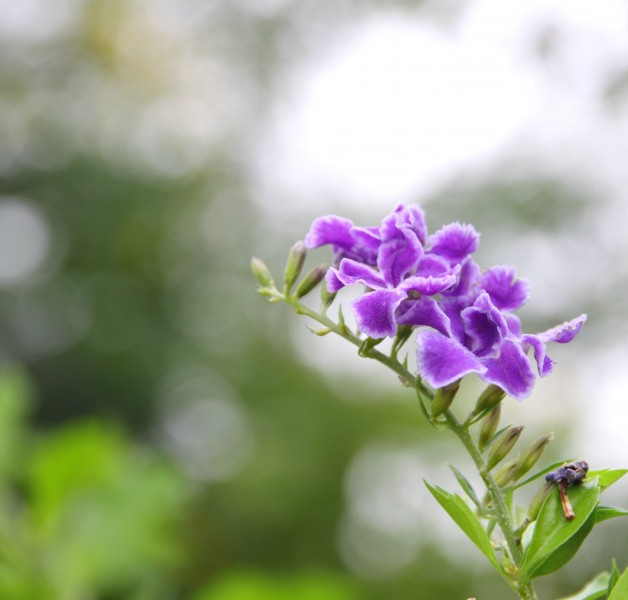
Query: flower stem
[[502, 515]]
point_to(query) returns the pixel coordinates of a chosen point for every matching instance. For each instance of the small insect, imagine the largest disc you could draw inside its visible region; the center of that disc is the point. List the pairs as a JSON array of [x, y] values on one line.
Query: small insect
[[568, 474]]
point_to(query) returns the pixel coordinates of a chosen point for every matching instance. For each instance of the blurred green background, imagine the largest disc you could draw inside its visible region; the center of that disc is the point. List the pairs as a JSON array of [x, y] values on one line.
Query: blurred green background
[[164, 433]]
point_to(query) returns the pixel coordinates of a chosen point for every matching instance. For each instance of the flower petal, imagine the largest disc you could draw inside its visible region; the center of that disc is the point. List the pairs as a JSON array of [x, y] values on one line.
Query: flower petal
[[484, 325], [565, 332], [424, 311], [374, 312], [351, 272], [544, 363], [398, 256], [431, 264], [511, 370], [332, 282], [330, 230], [506, 291], [441, 360], [455, 242], [429, 286]]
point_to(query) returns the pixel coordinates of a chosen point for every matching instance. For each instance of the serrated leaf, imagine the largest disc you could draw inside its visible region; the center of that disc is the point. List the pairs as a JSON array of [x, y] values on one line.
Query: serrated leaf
[[607, 477], [466, 486], [620, 589], [565, 552], [594, 589], [463, 516], [538, 474], [553, 530], [603, 513]]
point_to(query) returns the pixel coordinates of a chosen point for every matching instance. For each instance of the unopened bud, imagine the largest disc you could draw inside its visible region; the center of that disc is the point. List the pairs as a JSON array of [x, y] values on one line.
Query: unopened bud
[[403, 334], [532, 454], [443, 398], [327, 297], [503, 445], [537, 502], [311, 280], [294, 264], [489, 427], [506, 473], [262, 273], [490, 397]]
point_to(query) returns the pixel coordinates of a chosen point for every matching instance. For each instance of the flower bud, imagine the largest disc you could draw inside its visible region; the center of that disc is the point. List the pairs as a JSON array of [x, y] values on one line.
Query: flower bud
[[490, 397], [506, 474], [262, 273], [443, 398], [532, 454], [311, 280], [489, 427], [503, 445], [537, 502], [294, 264]]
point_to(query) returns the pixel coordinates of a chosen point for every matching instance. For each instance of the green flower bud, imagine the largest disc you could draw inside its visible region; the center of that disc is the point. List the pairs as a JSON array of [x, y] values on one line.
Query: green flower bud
[[443, 398], [490, 397], [403, 334], [532, 454], [506, 474], [489, 427], [311, 280], [537, 502], [503, 445], [294, 264], [262, 273]]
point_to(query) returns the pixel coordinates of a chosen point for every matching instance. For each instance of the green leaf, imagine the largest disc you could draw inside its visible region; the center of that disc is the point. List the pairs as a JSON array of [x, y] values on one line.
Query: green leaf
[[607, 477], [539, 474], [565, 552], [460, 512], [603, 513], [614, 578], [553, 530], [594, 589], [466, 486], [620, 590]]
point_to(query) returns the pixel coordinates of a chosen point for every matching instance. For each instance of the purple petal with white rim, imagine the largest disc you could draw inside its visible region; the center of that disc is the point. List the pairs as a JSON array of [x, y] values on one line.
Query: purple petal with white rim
[[511, 370], [413, 218], [563, 333], [469, 272], [441, 360], [544, 363], [430, 264], [455, 242], [424, 311], [514, 325], [398, 256], [452, 307], [429, 286], [484, 325], [332, 282], [374, 312], [506, 291], [351, 272], [330, 230]]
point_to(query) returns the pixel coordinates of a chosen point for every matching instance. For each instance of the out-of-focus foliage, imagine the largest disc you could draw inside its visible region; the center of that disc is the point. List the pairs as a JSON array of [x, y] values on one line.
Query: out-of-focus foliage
[[84, 511], [177, 444]]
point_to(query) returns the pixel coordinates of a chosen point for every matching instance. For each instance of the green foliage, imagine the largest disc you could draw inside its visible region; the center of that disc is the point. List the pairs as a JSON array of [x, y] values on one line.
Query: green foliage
[[594, 589], [460, 512], [619, 590], [256, 585], [550, 541]]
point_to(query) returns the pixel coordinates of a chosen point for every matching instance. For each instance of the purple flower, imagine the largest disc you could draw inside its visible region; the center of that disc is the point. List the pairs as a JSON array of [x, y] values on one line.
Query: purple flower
[[466, 316]]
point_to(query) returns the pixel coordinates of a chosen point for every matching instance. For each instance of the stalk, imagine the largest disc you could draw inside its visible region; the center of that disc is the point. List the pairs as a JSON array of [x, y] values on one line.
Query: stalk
[[461, 431]]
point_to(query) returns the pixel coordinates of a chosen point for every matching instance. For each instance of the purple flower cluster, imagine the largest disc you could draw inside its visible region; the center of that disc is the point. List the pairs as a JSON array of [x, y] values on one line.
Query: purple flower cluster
[[466, 315]]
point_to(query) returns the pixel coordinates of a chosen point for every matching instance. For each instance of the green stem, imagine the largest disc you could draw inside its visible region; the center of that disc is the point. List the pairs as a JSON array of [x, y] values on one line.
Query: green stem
[[502, 515]]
